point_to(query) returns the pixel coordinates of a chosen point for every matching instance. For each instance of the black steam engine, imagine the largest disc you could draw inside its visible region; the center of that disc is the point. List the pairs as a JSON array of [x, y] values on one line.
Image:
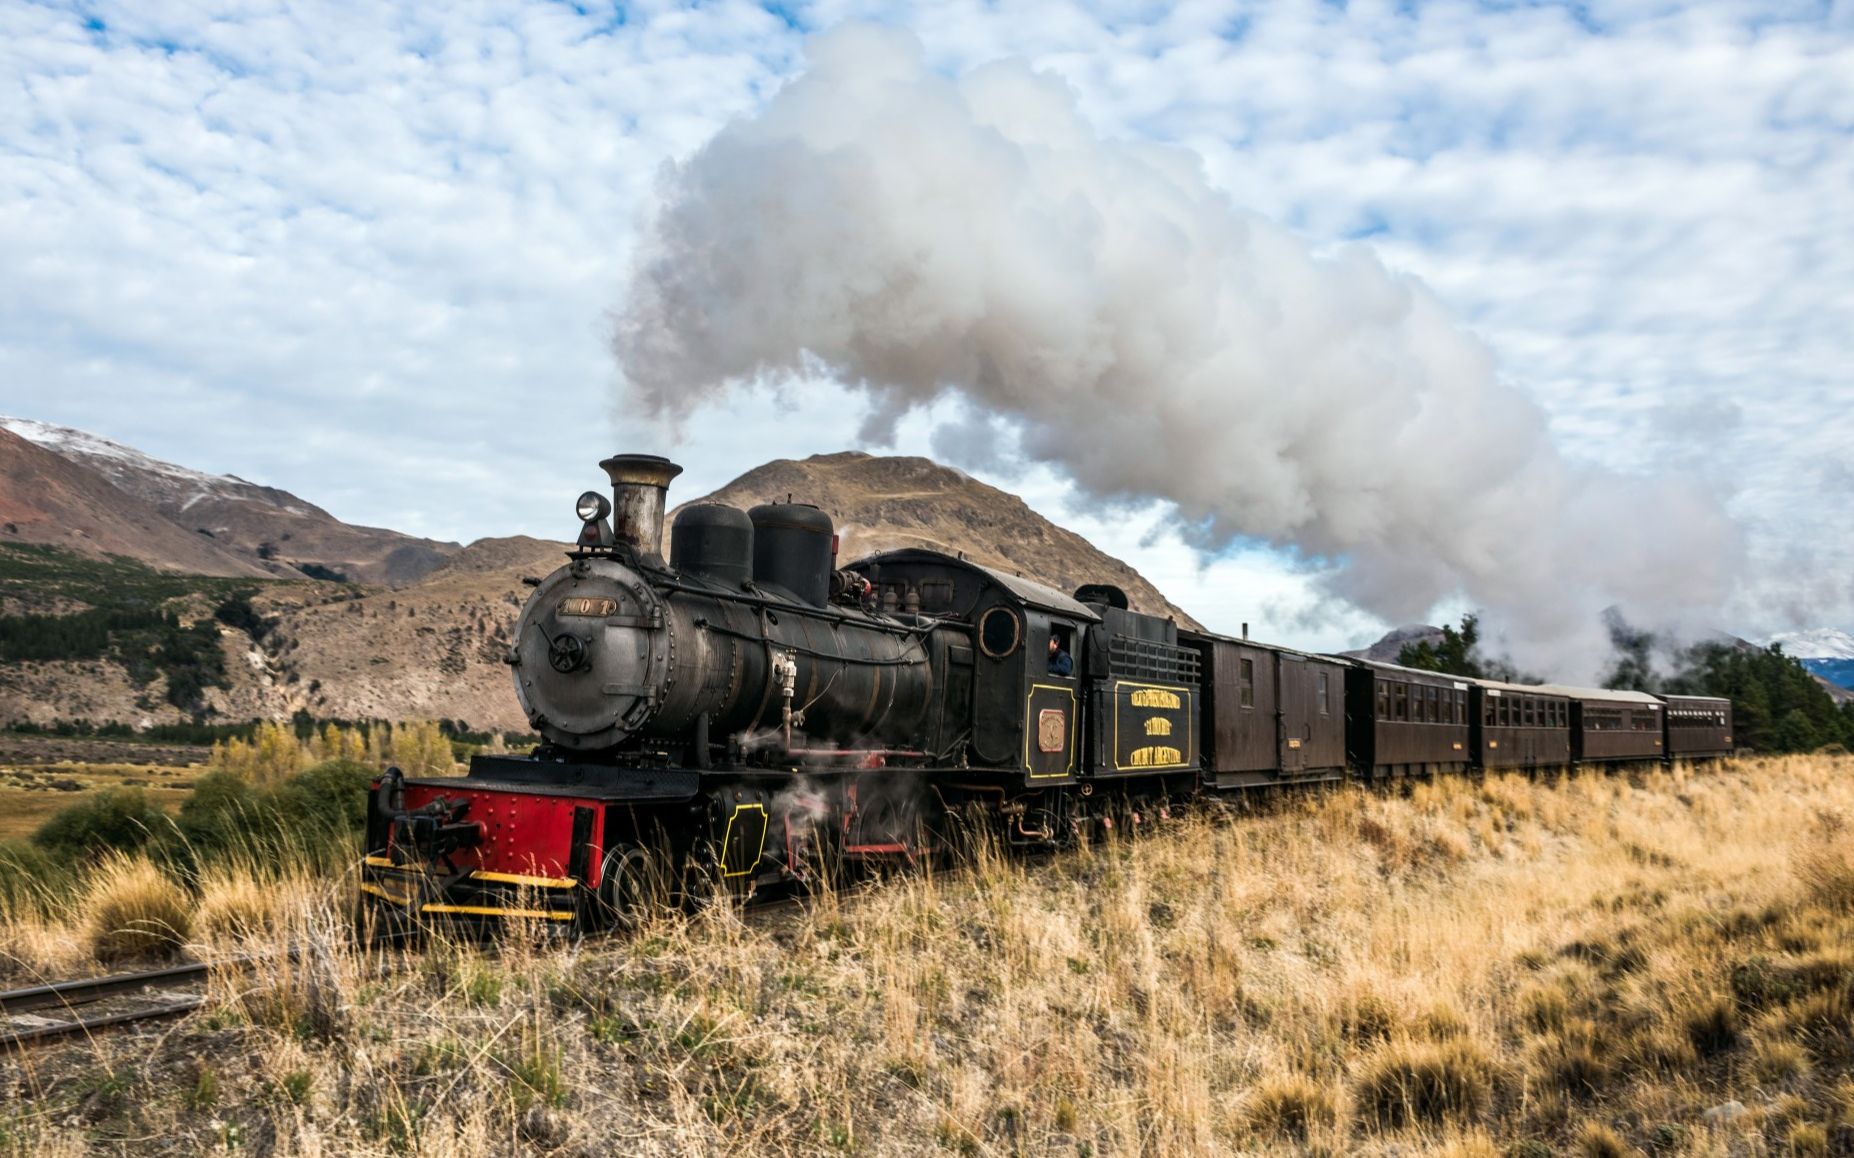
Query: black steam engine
[[748, 711]]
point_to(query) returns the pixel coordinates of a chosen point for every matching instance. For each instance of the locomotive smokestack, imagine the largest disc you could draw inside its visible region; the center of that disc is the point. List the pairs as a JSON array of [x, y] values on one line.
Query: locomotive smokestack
[[638, 484]]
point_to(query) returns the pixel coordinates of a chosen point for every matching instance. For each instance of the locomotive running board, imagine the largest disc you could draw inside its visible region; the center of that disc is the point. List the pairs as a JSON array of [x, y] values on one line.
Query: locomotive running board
[[560, 778]]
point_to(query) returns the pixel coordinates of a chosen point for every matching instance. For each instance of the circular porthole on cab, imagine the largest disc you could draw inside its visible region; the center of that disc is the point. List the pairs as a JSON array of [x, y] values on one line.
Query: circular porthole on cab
[[1000, 631]]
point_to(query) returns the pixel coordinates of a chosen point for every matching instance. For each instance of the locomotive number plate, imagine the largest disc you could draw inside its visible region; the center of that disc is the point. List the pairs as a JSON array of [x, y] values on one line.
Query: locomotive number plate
[[587, 608], [1052, 730]]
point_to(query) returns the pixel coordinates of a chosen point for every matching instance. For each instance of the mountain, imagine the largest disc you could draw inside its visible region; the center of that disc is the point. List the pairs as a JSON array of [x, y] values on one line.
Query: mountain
[[1821, 643], [47, 499], [271, 530], [882, 503], [1395, 640], [1826, 651]]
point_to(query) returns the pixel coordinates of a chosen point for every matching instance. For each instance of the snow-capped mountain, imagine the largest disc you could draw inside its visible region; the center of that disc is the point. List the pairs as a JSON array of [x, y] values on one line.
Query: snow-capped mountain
[[1826, 651], [273, 530], [1820, 643], [168, 485]]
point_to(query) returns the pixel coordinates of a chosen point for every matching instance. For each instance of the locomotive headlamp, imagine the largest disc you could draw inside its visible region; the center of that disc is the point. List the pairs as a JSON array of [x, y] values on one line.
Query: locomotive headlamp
[[592, 506]]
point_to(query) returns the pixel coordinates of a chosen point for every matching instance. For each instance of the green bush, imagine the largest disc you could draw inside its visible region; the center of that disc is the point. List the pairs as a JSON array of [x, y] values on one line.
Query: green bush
[[314, 815], [330, 797], [120, 819], [30, 877]]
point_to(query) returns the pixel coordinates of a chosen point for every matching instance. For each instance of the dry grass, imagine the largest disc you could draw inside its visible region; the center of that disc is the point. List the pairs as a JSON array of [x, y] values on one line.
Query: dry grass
[[1498, 968], [133, 912]]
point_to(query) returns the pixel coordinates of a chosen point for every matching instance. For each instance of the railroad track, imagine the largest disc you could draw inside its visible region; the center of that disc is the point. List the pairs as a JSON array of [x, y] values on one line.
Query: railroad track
[[65, 1008]]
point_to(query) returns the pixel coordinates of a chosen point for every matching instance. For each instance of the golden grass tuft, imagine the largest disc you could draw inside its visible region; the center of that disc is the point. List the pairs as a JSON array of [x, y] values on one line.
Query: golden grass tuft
[[1596, 1140], [1825, 865], [236, 908], [1420, 1083], [132, 911], [1291, 1106]]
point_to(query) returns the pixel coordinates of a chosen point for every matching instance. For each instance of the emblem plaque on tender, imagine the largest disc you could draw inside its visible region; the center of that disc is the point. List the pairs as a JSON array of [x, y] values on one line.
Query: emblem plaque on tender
[[1052, 730]]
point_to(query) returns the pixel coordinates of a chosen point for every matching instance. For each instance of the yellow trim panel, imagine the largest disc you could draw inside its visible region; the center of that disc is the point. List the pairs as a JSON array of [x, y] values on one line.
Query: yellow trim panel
[[1187, 703], [487, 911], [1030, 731], [727, 834], [381, 862]]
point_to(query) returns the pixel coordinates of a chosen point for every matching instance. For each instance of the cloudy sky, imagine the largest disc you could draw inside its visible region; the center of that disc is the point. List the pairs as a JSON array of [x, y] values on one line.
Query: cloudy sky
[[371, 254]]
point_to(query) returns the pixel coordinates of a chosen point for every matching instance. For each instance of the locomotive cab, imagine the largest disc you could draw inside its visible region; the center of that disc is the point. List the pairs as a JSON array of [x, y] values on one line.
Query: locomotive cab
[[1019, 720]]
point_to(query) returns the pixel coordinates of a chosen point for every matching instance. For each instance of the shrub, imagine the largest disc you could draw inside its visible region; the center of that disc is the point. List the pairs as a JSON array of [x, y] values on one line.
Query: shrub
[[1574, 1059], [235, 906], [133, 910], [331, 797], [1595, 1140], [118, 819], [1426, 1083], [1291, 1106], [1712, 1026], [1826, 870], [30, 877]]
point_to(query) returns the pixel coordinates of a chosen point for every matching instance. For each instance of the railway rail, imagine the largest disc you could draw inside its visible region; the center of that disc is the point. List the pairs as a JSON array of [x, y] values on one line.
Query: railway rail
[[66, 1008]]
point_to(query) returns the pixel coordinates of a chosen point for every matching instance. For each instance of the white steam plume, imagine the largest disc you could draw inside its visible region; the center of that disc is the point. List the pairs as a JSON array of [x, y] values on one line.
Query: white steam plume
[[922, 235]]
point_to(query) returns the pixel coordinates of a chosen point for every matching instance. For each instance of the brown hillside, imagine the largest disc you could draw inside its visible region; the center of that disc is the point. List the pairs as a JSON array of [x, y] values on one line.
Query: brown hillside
[[47, 499], [273, 530], [885, 503]]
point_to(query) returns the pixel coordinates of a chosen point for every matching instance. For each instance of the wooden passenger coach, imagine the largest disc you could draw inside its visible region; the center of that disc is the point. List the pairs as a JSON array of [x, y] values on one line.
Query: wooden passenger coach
[[1612, 727], [1520, 726], [1698, 727], [1405, 722]]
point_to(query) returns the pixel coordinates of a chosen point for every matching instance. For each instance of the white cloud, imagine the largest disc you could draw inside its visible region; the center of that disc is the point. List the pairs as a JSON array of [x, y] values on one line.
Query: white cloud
[[365, 252]]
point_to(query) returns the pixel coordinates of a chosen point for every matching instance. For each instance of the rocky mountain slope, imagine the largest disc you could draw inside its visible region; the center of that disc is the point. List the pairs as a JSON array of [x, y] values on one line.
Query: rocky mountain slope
[[882, 503], [1395, 640], [48, 499], [272, 530]]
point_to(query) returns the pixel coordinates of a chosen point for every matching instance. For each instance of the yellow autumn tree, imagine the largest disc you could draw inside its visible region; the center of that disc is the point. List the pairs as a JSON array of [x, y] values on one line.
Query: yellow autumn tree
[[422, 749]]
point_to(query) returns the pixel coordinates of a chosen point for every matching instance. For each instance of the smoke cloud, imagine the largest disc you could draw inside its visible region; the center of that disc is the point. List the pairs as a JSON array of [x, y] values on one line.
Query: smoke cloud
[[918, 236]]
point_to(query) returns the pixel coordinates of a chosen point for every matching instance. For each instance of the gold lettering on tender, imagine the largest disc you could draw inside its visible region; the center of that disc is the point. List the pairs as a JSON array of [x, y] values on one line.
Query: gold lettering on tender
[[1154, 757], [1158, 726], [1156, 698]]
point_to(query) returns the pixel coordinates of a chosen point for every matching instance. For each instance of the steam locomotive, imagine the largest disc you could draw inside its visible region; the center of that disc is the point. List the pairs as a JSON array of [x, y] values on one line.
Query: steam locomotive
[[748, 712]]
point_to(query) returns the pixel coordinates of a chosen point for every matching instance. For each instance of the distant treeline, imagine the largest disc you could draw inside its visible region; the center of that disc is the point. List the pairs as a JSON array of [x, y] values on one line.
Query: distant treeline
[[1777, 705], [202, 734]]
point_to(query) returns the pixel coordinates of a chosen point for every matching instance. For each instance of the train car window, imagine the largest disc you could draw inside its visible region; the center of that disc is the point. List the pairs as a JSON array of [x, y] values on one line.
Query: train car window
[[1000, 631], [1246, 682], [1402, 694], [1434, 696], [1489, 706], [936, 595], [1532, 712], [1325, 696], [1383, 700]]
